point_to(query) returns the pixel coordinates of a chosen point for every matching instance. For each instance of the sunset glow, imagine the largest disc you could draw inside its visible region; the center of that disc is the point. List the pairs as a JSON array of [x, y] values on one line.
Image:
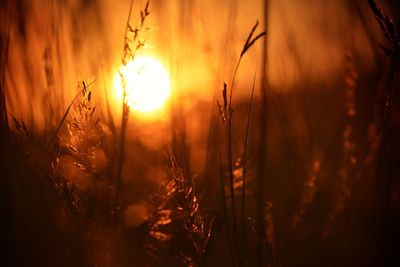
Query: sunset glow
[[147, 84], [200, 133]]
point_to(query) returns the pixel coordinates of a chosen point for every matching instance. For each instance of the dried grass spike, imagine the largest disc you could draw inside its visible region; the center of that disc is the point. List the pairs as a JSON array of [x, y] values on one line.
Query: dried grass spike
[[249, 42]]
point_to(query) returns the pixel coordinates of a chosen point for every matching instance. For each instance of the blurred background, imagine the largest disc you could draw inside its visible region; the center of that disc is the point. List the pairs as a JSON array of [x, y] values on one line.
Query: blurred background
[[322, 162]]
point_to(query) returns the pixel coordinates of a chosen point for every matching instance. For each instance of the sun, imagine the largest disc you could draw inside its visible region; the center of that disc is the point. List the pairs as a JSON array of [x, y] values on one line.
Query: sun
[[146, 81]]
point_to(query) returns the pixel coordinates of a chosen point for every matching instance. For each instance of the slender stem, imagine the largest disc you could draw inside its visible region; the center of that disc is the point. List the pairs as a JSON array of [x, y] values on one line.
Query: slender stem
[[232, 84], [226, 221], [228, 128], [127, 26], [230, 158], [263, 142], [231, 179], [121, 157], [246, 139], [124, 120], [63, 119]]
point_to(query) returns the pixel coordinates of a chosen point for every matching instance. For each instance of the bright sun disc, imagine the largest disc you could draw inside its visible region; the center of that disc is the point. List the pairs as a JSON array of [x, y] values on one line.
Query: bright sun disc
[[146, 81]]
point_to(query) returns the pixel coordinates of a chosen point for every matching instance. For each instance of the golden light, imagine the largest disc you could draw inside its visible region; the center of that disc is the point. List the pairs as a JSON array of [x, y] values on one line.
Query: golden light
[[146, 81]]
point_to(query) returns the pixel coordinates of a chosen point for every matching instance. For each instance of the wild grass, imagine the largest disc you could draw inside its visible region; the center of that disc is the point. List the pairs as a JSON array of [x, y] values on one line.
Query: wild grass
[[64, 190], [179, 204], [133, 41], [226, 112]]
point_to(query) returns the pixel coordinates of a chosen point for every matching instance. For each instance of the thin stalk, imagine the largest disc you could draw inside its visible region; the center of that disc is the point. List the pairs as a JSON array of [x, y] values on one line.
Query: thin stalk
[[63, 118], [121, 157], [246, 139], [233, 83], [230, 158], [248, 44], [225, 207], [66, 113], [228, 129], [124, 121], [127, 26], [263, 141]]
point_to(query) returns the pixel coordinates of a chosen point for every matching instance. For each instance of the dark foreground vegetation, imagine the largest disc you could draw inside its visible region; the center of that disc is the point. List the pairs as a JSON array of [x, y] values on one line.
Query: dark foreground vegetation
[[305, 178]]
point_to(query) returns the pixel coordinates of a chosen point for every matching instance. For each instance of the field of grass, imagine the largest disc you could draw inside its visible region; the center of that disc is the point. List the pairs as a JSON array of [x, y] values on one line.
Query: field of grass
[[278, 145]]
